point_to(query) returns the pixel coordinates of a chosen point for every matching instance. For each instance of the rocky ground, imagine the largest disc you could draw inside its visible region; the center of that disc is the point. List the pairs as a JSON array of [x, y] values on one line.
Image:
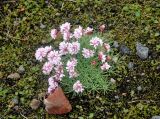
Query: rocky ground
[[134, 25]]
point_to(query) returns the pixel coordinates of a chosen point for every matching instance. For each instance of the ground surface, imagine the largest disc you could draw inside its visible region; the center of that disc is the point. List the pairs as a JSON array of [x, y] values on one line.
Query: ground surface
[[25, 25]]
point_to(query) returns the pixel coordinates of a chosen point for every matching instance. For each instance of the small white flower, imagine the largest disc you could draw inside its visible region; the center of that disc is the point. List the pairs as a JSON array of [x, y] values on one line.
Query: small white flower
[[78, 87], [105, 66]]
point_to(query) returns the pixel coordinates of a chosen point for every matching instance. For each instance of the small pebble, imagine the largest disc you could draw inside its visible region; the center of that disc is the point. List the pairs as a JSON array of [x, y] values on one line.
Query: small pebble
[[139, 88], [124, 49], [21, 70], [42, 26], [155, 117], [130, 65], [115, 44], [142, 51], [14, 76], [35, 104], [15, 100], [113, 81], [116, 97]]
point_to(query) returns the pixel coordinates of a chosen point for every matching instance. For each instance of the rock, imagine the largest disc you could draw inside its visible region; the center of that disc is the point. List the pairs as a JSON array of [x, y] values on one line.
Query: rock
[[155, 117], [57, 103], [113, 80], [130, 65], [14, 76], [15, 100], [116, 97], [21, 70], [139, 88], [158, 68], [124, 49], [42, 26], [35, 104], [16, 108], [142, 51], [115, 44]]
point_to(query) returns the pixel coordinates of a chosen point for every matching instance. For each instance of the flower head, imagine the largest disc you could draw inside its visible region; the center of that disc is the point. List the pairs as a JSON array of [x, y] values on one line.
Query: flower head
[[54, 33], [88, 31], [40, 54], [74, 47], [63, 47], [87, 53], [78, 87], [96, 42], [78, 32], [101, 57], [47, 68], [67, 36], [107, 46], [105, 66], [65, 27], [52, 88], [59, 73], [71, 65], [54, 57], [102, 27]]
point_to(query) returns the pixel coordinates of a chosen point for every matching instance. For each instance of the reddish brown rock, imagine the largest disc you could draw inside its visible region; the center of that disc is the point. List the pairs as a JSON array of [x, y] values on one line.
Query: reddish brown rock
[[57, 103]]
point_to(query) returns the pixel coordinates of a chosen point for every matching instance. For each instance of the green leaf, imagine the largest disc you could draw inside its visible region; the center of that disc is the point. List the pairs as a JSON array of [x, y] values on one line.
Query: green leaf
[[138, 13]]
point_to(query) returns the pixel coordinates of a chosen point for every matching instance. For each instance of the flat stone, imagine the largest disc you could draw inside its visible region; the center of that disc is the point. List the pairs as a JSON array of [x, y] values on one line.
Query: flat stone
[[115, 44], [42, 26], [139, 88], [21, 70], [14, 76], [35, 104], [15, 100], [57, 103], [155, 117], [124, 49], [142, 51], [130, 65]]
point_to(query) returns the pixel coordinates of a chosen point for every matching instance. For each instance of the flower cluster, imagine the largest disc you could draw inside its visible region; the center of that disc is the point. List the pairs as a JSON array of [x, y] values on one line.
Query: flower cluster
[[71, 47]]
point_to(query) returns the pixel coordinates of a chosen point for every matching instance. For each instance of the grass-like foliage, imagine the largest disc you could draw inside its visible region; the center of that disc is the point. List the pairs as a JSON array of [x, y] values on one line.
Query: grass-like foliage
[[91, 76]]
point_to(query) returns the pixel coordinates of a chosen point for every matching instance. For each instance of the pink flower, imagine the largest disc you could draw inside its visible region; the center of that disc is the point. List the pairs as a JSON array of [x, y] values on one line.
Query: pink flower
[[78, 32], [102, 27], [107, 46], [52, 82], [54, 57], [52, 88], [48, 49], [88, 31], [73, 74], [47, 68], [74, 47], [63, 47], [87, 53], [93, 62], [96, 42], [67, 36], [105, 66], [78, 87], [59, 73], [54, 33], [40, 54], [71, 65], [101, 57], [65, 27]]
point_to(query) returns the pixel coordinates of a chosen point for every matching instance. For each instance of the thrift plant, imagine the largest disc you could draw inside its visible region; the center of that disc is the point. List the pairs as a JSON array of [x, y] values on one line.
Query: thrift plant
[[82, 62]]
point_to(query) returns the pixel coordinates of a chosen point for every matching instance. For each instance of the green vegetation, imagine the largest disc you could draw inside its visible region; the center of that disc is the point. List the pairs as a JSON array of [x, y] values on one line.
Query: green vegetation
[[25, 26]]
